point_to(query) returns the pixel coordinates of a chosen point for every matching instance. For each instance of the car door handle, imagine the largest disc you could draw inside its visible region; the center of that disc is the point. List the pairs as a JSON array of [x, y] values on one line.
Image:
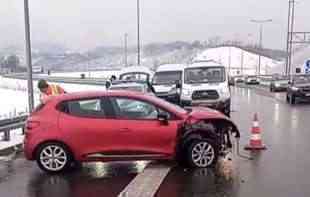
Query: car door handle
[[125, 130]]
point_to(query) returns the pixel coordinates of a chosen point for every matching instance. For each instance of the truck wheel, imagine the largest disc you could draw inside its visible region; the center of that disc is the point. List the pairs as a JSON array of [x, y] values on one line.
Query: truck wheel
[[292, 100], [202, 153], [287, 99]]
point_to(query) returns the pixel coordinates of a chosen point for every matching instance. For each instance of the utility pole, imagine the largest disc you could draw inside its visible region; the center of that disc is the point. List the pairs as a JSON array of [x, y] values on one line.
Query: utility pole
[[242, 61], [288, 39], [28, 56], [229, 60], [125, 50], [138, 30], [292, 22], [260, 22], [293, 37]]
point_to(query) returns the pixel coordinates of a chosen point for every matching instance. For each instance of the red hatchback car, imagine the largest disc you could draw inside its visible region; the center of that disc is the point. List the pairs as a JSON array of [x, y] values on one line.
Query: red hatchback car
[[123, 125]]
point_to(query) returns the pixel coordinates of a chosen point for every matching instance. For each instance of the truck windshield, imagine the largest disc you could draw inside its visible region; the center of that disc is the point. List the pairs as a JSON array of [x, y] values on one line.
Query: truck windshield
[[205, 75], [167, 77]]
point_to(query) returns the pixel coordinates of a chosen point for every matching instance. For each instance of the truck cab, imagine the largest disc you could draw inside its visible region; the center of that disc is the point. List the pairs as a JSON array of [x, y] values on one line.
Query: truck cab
[[206, 84], [167, 82]]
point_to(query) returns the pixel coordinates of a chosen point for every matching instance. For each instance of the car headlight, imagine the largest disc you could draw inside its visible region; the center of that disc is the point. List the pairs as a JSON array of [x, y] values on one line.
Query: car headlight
[[224, 91], [186, 92], [277, 85], [295, 88]]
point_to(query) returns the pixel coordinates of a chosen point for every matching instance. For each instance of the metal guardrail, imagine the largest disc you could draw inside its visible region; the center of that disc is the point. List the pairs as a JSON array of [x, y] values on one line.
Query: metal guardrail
[[72, 80], [13, 120], [6, 126]]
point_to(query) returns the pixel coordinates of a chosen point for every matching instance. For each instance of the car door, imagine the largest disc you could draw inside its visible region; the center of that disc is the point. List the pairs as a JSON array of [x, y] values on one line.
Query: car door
[[88, 127], [140, 130]]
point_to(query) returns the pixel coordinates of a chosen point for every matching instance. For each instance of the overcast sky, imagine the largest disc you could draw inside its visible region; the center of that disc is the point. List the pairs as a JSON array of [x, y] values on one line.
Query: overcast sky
[[89, 23]]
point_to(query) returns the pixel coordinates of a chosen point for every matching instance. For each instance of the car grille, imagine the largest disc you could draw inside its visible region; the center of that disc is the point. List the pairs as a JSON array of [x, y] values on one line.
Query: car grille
[[205, 94]]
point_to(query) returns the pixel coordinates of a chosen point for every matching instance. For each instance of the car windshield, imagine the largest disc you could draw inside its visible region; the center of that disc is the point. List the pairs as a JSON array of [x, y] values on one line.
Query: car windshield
[[167, 77], [302, 79], [205, 75], [134, 76]]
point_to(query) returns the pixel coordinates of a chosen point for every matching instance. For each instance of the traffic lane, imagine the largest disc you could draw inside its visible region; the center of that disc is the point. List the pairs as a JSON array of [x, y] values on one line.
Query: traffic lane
[[264, 91], [281, 170], [23, 178]]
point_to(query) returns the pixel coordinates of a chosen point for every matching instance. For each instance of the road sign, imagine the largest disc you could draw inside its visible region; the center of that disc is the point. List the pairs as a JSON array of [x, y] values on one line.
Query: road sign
[[307, 67]]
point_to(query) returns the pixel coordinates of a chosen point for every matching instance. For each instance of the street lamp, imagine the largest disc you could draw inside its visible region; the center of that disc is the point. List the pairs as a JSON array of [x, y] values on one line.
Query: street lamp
[[260, 22], [28, 56], [138, 30], [126, 49]]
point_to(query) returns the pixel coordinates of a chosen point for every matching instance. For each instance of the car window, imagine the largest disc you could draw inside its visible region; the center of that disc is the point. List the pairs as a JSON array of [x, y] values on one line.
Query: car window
[[86, 108], [135, 109]]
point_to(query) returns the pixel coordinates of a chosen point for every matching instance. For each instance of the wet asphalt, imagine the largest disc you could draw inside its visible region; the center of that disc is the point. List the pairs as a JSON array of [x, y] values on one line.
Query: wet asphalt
[[281, 170]]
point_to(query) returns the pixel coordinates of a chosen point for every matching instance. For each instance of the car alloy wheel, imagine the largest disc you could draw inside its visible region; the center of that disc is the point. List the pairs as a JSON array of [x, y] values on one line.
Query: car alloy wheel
[[203, 154], [53, 158]]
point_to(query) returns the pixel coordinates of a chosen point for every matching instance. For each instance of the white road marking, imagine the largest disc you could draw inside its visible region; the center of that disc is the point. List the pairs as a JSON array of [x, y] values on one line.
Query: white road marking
[[146, 183]]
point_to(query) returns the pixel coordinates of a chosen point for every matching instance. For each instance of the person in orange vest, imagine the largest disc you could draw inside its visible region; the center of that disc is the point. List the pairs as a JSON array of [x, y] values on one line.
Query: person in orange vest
[[48, 90]]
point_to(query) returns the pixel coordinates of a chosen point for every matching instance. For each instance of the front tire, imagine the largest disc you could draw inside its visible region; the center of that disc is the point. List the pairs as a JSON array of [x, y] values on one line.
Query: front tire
[[202, 153], [54, 158]]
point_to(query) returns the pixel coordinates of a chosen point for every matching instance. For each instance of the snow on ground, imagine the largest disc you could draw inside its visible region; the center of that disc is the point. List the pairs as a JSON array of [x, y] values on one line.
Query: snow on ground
[[12, 103], [14, 96], [93, 74], [240, 60], [16, 138]]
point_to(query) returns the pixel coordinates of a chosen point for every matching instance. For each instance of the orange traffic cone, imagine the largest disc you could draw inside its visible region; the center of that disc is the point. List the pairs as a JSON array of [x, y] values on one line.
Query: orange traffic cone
[[256, 138]]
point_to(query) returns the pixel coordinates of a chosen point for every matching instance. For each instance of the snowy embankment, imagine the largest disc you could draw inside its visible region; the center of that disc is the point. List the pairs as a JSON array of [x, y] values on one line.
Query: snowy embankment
[[241, 62], [93, 74], [14, 97]]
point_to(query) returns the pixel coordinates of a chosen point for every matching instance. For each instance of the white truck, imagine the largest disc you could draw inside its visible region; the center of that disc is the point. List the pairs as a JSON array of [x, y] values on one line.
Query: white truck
[[206, 84]]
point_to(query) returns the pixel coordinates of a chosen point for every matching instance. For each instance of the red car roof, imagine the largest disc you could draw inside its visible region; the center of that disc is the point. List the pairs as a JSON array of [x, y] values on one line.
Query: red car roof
[[89, 94], [120, 93]]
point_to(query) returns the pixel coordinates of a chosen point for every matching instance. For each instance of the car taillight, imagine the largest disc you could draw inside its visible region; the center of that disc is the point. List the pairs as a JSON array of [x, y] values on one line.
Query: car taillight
[[32, 125]]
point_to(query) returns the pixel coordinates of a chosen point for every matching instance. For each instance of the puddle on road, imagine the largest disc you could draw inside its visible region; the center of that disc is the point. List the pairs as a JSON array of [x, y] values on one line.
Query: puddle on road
[[93, 179], [223, 180]]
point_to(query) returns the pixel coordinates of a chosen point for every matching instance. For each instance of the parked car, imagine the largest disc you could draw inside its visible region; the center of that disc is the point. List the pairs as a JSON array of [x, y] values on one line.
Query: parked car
[[123, 125], [251, 80], [206, 84], [279, 83], [167, 82], [299, 89], [236, 80]]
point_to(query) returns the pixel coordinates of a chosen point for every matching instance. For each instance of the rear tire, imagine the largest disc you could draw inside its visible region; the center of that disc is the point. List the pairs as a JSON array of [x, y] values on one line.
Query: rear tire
[[202, 154], [54, 158]]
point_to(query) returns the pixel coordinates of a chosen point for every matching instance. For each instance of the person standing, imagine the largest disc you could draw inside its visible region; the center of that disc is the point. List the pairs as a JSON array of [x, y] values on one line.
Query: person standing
[[48, 90]]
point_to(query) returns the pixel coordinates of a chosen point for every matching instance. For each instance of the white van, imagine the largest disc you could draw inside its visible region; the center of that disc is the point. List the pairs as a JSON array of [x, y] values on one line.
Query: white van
[[206, 84], [167, 82]]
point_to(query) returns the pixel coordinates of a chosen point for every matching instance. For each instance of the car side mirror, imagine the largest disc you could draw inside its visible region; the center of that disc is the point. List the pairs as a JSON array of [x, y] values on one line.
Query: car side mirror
[[163, 118]]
